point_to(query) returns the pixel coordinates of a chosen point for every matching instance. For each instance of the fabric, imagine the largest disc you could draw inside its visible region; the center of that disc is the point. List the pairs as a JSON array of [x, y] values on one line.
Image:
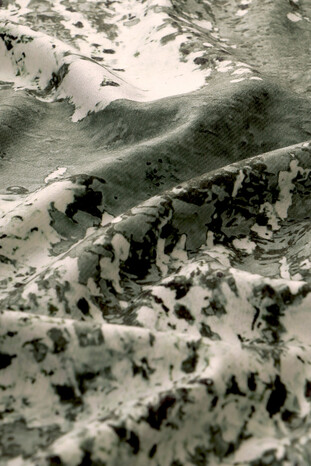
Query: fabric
[[155, 262]]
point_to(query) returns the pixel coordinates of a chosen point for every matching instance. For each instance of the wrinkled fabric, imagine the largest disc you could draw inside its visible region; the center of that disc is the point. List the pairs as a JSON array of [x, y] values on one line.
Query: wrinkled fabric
[[155, 261]]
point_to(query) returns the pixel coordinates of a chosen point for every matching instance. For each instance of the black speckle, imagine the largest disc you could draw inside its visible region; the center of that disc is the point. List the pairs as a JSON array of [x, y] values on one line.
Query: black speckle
[[120, 431], [277, 397], [189, 364], [109, 51], [159, 300], [151, 339], [7, 39], [181, 289], [233, 387], [109, 82], [53, 460], [133, 441], [288, 416], [57, 77], [153, 451], [183, 313], [214, 402], [52, 309], [156, 415], [87, 202], [5, 360], [255, 317], [143, 369], [66, 394], [201, 61], [84, 307], [129, 437], [78, 24], [83, 380], [206, 331], [251, 382], [308, 389]]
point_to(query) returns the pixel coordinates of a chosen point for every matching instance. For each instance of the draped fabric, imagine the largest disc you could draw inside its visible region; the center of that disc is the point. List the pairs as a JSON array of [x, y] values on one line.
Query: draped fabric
[[155, 206]]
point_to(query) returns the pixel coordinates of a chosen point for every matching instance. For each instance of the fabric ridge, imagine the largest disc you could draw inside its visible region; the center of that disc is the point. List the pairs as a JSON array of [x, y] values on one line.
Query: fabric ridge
[[155, 261]]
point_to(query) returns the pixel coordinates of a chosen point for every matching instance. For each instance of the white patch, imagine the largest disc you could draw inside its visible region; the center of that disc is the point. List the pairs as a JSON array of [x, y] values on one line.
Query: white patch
[[61, 192], [284, 269], [179, 252], [83, 86], [177, 190], [210, 239], [204, 24], [147, 317], [245, 244], [143, 78], [286, 186], [56, 174], [237, 80], [162, 259], [106, 218], [224, 66], [242, 64], [167, 295], [254, 448], [241, 71], [238, 183], [221, 254], [305, 264], [110, 269], [262, 231], [68, 449], [241, 12], [294, 17], [256, 78]]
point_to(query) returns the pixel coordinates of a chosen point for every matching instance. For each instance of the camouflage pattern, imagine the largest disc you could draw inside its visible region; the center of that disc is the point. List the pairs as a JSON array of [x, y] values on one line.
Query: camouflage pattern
[[155, 267]]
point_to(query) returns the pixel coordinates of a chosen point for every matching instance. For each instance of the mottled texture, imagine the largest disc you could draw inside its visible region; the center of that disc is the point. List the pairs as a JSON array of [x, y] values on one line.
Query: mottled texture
[[155, 235]]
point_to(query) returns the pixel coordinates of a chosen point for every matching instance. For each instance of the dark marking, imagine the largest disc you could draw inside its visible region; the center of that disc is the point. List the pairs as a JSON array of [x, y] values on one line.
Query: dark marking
[[156, 415], [67, 394], [60, 342], [84, 307], [277, 397], [6, 359]]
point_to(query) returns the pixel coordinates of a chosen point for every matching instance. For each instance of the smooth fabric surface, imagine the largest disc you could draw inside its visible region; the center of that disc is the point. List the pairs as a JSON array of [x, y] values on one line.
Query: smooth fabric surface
[[155, 261]]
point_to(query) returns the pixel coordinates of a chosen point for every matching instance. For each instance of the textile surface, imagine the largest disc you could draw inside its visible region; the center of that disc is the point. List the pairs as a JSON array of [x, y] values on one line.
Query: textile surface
[[155, 206]]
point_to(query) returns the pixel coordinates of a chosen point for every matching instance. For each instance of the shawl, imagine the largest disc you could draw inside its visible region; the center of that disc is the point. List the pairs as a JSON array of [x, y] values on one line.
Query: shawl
[[155, 206]]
